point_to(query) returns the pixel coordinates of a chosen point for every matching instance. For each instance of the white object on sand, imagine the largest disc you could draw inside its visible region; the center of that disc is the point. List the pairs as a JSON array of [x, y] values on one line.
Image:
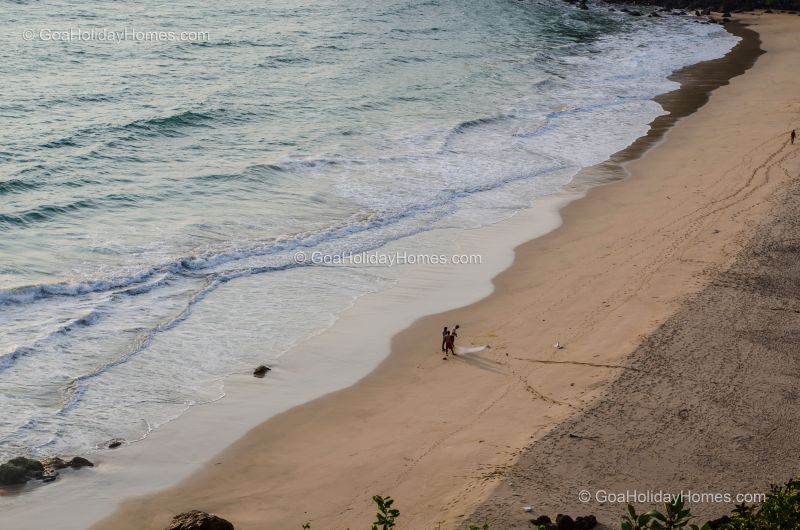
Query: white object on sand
[[473, 349], [558, 346]]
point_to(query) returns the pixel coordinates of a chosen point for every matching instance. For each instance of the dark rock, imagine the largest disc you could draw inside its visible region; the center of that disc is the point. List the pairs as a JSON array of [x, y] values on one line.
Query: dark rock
[[11, 475], [635, 13], [541, 520], [583, 5], [726, 15], [719, 523], [725, 20], [50, 477], [564, 522], [20, 470], [54, 463], [768, 11], [697, 13], [585, 523], [654, 15], [625, 10], [261, 371], [707, 11], [28, 464], [51, 467], [79, 462], [113, 444], [197, 520]]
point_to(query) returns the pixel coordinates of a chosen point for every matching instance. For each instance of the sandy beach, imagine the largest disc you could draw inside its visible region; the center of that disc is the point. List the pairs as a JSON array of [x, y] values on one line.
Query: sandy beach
[[622, 285]]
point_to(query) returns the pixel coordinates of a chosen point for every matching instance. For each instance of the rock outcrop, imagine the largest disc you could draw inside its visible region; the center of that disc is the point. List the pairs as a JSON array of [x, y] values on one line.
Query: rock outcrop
[[565, 522], [18, 471], [79, 462], [197, 520]]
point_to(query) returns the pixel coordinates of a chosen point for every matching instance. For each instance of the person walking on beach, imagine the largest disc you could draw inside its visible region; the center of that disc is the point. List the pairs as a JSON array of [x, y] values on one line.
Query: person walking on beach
[[453, 336], [445, 333], [793, 136], [449, 345]]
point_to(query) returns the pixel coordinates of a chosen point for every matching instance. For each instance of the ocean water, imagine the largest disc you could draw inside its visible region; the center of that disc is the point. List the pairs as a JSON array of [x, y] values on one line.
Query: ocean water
[[154, 195]]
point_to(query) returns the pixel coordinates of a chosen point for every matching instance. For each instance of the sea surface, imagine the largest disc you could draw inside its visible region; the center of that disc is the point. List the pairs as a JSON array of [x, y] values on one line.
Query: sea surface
[[154, 194]]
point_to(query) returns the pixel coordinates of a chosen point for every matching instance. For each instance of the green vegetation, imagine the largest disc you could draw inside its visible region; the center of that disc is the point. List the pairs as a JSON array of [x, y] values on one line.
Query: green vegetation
[[780, 510], [674, 517], [386, 517]]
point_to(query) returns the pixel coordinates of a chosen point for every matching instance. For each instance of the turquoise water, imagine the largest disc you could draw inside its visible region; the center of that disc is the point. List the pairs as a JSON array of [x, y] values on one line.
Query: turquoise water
[[140, 182]]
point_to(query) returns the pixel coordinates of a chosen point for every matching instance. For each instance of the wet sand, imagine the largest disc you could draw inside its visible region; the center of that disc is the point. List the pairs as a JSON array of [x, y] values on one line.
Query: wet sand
[[442, 437]]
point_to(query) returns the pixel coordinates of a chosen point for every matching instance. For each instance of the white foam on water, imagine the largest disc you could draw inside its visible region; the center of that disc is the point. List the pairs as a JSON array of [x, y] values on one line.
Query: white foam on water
[[138, 351]]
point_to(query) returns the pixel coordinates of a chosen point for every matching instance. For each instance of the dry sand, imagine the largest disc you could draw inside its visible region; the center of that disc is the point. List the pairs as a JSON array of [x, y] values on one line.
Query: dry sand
[[644, 255]]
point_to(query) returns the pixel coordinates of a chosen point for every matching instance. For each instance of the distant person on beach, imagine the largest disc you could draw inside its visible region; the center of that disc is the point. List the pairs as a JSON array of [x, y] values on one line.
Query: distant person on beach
[[449, 345], [793, 136], [453, 336], [445, 333]]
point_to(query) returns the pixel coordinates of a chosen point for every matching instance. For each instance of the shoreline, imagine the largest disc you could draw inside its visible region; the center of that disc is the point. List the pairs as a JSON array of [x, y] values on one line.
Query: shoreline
[[491, 362], [243, 468]]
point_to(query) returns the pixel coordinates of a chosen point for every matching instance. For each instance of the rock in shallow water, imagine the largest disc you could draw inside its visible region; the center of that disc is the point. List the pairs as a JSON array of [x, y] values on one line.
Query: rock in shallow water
[[28, 464], [54, 463], [11, 475], [79, 462], [261, 371], [197, 520], [20, 470]]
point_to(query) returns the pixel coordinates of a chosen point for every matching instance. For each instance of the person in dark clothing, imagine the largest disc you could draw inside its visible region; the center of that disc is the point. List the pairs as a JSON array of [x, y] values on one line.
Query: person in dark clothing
[[454, 334], [449, 345], [793, 136], [445, 333]]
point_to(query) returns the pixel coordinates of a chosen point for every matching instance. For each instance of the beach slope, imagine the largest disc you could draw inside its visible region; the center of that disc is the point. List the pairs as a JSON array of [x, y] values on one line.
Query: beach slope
[[441, 437]]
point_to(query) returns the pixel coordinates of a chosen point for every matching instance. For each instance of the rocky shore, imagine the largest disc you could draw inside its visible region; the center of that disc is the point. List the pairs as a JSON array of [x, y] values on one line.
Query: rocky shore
[[20, 470]]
